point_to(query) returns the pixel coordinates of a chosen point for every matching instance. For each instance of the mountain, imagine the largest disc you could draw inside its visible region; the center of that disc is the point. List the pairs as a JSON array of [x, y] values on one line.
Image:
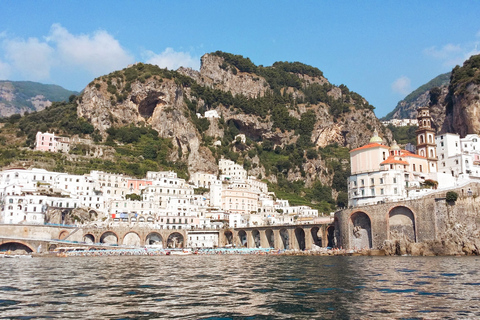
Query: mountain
[[462, 103], [285, 123], [18, 97], [407, 108]]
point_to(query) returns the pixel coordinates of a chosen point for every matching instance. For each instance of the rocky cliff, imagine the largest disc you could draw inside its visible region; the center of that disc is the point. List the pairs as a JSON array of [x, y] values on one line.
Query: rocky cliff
[[290, 108], [463, 100], [18, 97]]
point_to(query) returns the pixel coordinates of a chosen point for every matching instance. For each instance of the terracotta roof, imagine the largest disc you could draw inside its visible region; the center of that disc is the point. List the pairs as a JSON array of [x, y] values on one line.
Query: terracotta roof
[[406, 153], [370, 145], [392, 160]]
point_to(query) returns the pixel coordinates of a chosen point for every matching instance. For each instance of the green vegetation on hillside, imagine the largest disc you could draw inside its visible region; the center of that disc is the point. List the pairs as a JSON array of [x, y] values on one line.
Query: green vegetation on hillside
[[468, 73], [404, 135]]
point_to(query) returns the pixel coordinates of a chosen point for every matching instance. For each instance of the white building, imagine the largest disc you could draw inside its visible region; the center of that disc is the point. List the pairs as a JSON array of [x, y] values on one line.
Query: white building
[[202, 239], [459, 157], [231, 171]]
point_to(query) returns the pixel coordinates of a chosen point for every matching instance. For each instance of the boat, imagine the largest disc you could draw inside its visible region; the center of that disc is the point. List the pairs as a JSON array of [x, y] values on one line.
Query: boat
[[182, 252]]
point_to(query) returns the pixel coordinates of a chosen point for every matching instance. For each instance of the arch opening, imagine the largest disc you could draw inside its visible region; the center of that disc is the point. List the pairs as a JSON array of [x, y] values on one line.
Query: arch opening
[[154, 239], [15, 247], [316, 236], [228, 237], [331, 236], [63, 234], [270, 238], [360, 231], [109, 237], [132, 239], [242, 238], [401, 224], [89, 238], [300, 237], [175, 240], [256, 238], [285, 239]]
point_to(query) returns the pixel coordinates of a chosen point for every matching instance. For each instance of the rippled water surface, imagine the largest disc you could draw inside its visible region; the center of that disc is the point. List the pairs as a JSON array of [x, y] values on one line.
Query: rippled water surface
[[240, 287]]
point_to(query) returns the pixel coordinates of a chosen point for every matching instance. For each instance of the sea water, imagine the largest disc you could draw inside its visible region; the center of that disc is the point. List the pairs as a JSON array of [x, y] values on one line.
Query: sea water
[[240, 287]]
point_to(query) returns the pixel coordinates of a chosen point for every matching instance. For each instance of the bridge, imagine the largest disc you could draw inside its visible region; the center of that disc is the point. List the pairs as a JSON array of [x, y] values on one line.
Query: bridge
[[301, 237], [42, 238]]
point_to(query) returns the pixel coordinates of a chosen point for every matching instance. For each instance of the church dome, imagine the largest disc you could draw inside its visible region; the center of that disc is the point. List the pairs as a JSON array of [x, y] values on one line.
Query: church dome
[[376, 138], [394, 146]]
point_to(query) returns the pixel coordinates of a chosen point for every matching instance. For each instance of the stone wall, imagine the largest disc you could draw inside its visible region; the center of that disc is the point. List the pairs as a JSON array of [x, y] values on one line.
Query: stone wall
[[427, 226]]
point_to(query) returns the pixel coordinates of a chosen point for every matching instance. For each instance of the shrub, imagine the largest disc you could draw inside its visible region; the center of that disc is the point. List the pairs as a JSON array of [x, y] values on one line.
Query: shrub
[[452, 196]]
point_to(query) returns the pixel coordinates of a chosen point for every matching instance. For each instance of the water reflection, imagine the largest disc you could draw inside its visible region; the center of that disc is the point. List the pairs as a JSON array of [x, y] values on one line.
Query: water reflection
[[230, 287]]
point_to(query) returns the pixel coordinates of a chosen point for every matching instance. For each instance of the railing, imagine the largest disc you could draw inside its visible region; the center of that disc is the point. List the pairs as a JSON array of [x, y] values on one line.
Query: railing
[[60, 225]]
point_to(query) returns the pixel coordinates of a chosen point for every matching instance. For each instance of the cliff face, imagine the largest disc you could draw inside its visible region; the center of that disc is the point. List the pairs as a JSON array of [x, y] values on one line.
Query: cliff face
[[168, 102], [463, 100]]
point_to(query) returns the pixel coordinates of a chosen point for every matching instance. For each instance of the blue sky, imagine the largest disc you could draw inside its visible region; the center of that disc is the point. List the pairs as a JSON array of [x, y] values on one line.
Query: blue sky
[[381, 49]]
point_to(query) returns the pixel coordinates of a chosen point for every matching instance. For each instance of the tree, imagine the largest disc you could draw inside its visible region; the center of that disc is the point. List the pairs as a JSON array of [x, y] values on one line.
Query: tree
[[452, 196]]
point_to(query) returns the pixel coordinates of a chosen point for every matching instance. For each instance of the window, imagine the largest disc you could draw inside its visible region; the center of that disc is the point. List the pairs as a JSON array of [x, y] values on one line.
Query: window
[[382, 191], [372, 181], [381, 181], [395, 190], [394, 180]]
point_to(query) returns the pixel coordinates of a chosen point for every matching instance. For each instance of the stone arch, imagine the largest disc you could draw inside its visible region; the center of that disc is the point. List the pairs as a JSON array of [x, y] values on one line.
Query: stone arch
[[360, 229], [256, 238], [300, 237], [270, 238], [63, 234], [132, 239], [154, 239], [16, 245], [175, 240], [242, 238], [284, 236], [228, 237], [401, 224], [316, 236], [109, 237], [89, 238]]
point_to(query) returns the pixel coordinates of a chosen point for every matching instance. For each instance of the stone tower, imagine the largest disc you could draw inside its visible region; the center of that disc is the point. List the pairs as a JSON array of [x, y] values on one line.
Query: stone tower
[[426, 145]]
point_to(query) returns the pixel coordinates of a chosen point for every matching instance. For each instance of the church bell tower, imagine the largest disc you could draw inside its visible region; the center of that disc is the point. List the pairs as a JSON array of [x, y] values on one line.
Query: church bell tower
[[426, 145]]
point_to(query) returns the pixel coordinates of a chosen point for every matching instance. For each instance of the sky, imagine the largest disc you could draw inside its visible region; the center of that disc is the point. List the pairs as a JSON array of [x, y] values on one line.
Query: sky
[[382, 50]]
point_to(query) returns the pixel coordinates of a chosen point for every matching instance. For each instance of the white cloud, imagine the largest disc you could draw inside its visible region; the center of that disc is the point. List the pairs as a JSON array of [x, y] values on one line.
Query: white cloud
[[99, 53], [402, 85], [61, 52], [454, 54], [32, 58], [172, 59], [5, 71]]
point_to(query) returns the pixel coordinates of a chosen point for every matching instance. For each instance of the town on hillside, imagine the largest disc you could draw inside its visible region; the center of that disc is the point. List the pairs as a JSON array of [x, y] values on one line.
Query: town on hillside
[[207, 202]]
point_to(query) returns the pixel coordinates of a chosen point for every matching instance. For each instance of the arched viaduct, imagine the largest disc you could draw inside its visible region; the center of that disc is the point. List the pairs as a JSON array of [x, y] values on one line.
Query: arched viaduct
[[301, 237], [418, 220], [136, 236]]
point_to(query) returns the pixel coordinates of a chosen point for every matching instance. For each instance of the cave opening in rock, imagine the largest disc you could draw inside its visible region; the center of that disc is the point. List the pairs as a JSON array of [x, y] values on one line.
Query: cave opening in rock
[[147, 106]]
